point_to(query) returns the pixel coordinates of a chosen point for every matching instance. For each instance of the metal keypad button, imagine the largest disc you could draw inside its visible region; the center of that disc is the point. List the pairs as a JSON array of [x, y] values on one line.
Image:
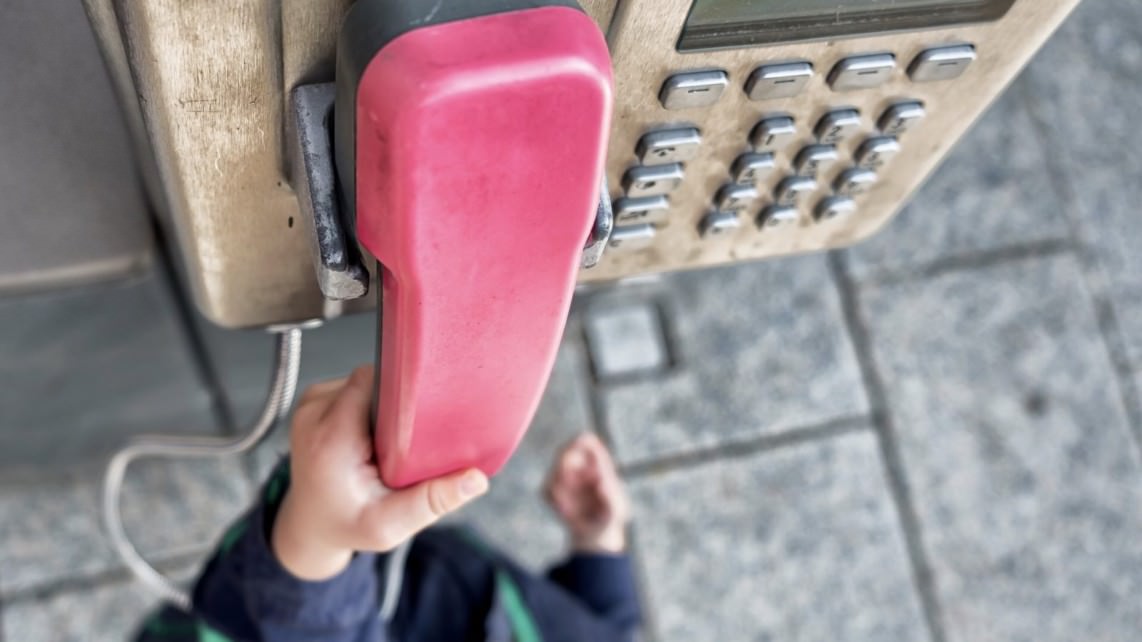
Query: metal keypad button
[[814, 159], [751, 168], [854, 181], [719, 224], [832, 207], [631, 237], [773, 134], [900, 117], [653, 180], [777, 216], [838, 125], [790, 190], [876, 151], [778, 81], [669, 146], [693, 89], [862, 72], [647, 209], [736, 197], [941, 63]]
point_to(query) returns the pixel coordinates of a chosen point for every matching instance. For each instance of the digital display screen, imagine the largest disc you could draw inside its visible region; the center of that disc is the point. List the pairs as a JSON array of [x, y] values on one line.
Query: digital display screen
[[715, 24]]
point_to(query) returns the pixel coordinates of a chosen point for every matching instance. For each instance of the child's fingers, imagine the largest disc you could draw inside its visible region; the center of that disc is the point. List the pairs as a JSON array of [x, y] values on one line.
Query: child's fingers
[[354, 393], [599, 451], [348, 415], [322, 388], [404, 513]]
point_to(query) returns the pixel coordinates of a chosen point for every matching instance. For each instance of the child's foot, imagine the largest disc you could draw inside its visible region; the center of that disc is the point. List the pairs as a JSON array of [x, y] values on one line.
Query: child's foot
[[585, 490]]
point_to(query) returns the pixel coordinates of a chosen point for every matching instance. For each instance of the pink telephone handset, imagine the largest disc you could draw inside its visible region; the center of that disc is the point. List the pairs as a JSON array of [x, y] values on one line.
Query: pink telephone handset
[[470, 145]]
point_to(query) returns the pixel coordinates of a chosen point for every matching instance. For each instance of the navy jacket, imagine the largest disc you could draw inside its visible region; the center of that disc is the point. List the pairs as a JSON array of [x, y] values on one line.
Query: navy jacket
[[453, 588]]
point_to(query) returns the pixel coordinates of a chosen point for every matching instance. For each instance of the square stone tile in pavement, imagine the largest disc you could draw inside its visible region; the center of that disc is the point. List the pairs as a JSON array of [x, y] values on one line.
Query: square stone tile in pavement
[[933, 436]]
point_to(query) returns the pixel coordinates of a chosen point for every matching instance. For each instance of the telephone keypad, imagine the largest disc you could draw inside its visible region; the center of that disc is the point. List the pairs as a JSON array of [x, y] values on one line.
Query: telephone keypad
[[693, 89], [813, 165], [852, 182], [646, 209], [632, 237], [669, 146], [832, 207], [814, 159], [719, 223], [834, 127], [792, 189], [862, 72], [773, 134], [876, 151], [778, 81], [752, 167], [941, 63], [777, 216], [735, 196], [652, 180], [900, 117]]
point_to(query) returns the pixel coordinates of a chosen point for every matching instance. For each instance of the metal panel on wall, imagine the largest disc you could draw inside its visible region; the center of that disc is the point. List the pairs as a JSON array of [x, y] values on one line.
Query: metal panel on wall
[[71, 206]]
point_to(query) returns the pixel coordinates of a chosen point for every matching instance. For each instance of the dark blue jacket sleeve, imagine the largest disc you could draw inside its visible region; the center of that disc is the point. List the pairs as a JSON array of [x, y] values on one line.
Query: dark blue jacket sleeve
[[605, 583], [244, 593]]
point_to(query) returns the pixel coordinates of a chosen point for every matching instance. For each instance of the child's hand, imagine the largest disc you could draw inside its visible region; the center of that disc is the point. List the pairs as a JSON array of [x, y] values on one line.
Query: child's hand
[[336, 503], [585, 489]]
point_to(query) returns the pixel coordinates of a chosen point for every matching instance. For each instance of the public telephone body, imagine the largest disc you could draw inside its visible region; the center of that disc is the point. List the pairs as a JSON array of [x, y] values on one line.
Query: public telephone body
[[741, 130], [741, 90]]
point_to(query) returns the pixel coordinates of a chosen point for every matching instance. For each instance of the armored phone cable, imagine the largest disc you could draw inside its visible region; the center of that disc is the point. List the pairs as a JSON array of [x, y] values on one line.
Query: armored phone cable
[[283, 386]]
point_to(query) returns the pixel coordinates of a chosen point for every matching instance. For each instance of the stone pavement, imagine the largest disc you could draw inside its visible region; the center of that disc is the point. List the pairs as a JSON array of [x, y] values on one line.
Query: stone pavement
[[934, 436]]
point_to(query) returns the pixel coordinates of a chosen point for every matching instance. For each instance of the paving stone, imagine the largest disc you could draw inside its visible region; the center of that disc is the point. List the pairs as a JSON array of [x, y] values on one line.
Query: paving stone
[[799, 544], [1085, 90], [108, 613], [52, 531], [762, 349], [111, 612], [625, 340], [513, 515], [1017, 451], [83, 369], [994, 190]]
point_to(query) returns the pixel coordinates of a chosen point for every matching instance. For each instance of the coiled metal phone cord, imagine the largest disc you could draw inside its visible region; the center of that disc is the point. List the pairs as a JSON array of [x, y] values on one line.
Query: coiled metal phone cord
[[283, 386]]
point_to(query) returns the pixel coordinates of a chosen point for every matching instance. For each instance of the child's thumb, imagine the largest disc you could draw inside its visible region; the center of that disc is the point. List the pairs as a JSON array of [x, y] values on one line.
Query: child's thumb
[[404, 513]]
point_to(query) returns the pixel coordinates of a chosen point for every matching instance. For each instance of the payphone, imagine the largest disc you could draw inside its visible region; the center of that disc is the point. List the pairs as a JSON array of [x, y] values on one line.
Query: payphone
[[802, 102], [741, 130]]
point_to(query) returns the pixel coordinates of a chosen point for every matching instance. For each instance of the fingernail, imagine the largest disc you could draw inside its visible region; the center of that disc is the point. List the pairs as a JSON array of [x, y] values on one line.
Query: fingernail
[[473, 484]]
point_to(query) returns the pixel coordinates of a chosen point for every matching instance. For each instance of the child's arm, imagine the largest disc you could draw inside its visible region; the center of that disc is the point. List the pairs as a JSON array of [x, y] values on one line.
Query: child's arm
[[302, 564], [585, 490]]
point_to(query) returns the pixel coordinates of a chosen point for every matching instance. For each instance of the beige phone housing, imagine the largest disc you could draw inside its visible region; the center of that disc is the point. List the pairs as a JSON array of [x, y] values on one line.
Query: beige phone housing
[[732, 141]]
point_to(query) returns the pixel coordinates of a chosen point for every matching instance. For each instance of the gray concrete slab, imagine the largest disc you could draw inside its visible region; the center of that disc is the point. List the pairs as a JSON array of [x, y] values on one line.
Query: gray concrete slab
[[52, 532], [800, 543], [761, 348], [1085, 91], [513, 515], [994, 190], [1017, 451], [83, 369], [108, 613], [625, 339]]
